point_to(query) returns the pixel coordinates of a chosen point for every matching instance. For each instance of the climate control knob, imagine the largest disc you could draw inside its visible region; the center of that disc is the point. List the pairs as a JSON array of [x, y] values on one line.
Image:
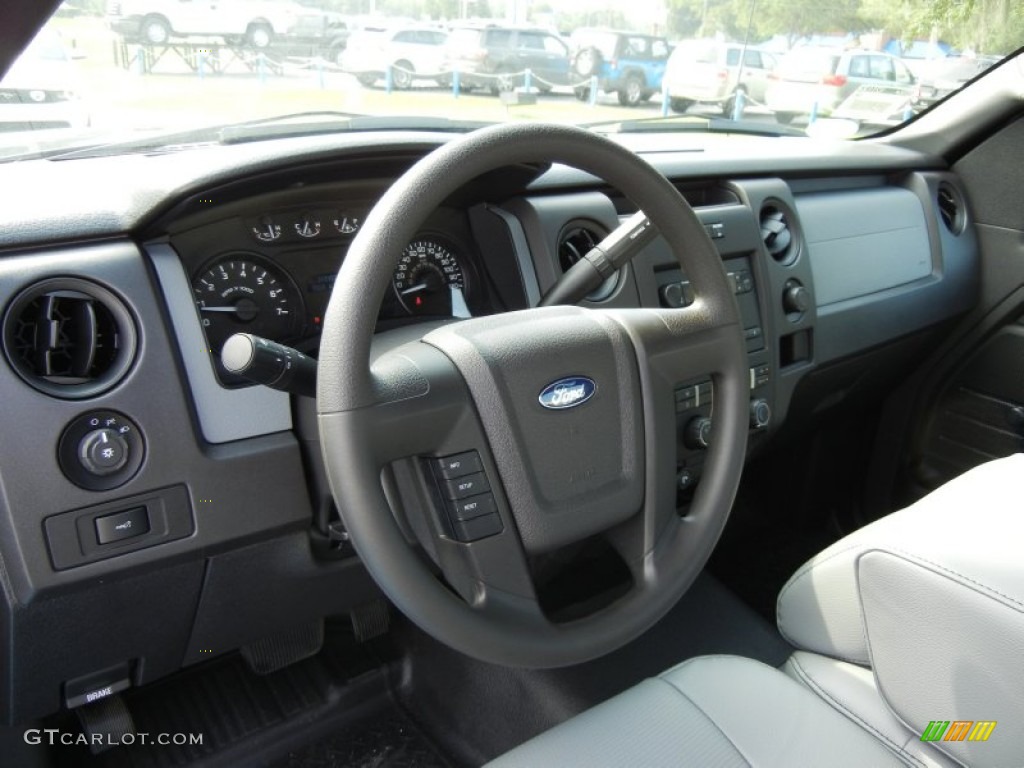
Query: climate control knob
[[698, 433], [760, 413]]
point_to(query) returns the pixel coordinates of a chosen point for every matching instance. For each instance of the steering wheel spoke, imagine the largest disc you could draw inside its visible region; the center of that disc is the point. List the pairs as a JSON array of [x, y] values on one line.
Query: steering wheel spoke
[[676, 347]]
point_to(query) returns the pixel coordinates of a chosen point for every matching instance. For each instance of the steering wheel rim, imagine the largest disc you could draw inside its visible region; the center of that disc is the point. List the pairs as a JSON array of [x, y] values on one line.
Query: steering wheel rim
[[493, 615]]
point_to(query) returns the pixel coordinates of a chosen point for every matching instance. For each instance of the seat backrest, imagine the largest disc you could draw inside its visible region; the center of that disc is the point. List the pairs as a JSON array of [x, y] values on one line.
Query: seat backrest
[[931, 598]]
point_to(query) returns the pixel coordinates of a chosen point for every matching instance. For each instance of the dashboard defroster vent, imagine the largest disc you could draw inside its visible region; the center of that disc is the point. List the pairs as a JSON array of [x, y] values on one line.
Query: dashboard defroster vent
[[69, 338], [575, 241], [951, 208], [777, 234]]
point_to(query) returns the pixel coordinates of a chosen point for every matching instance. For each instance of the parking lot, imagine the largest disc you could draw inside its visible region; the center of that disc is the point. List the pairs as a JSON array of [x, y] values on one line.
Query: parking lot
[[175, 95]]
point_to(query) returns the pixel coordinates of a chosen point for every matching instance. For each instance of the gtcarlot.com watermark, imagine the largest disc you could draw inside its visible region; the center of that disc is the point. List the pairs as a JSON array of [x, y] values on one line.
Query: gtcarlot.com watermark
[[54, 736]]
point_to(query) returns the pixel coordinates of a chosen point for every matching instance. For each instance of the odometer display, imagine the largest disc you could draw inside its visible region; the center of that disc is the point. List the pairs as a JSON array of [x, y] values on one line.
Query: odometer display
[[425, 277]]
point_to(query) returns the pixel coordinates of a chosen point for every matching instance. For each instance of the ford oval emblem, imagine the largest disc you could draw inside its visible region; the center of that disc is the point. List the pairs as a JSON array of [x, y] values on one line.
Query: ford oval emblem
[[568, 392]]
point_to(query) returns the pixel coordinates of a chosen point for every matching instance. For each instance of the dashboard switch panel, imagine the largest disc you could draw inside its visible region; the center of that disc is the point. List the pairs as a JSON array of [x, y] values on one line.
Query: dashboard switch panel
[[101, 450]]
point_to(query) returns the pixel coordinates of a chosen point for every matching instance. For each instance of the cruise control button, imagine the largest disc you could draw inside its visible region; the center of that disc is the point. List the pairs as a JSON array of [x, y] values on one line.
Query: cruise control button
[[470, 485], [459, 465], [478, 527], [473, 506]]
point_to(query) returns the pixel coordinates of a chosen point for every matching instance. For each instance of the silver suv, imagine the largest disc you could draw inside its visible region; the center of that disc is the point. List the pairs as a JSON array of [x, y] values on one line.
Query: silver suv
[[819, 80], [712, 71]]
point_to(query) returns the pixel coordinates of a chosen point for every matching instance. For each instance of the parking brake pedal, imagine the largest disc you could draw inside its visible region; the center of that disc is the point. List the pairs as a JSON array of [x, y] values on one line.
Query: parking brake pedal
[[106, 723]]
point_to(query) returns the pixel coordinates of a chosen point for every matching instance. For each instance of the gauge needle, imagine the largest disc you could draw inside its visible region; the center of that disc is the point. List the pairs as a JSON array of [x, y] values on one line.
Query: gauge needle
[[219, 309], [459, 307], [415, 288]]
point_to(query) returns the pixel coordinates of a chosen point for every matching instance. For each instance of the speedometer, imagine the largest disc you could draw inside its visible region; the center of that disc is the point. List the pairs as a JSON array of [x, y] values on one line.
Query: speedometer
[[242, 293], [428, 277]]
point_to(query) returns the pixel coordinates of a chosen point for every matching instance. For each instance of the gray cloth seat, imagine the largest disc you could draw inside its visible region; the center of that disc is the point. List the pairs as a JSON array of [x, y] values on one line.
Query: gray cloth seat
[[915, 619]]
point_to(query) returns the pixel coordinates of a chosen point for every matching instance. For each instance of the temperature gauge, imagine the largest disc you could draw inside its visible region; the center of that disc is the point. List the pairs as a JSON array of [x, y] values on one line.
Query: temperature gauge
[[308, 226], [348, 223], [266, 230]]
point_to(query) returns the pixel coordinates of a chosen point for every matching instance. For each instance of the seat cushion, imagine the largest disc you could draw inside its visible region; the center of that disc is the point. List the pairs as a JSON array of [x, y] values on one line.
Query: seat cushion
[[851, 690], [709, 711]]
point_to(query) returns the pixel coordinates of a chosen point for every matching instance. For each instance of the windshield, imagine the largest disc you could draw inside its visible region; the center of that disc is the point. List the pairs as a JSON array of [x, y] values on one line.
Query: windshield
[[100, 72]]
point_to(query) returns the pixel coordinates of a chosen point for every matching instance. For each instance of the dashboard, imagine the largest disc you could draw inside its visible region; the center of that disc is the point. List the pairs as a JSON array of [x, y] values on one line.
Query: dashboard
[[210, 524]]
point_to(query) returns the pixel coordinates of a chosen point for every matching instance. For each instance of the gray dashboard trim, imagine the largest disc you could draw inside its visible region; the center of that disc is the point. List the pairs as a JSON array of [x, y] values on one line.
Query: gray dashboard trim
[[224, 414], [522, 250], [44, 201], [864, 241]]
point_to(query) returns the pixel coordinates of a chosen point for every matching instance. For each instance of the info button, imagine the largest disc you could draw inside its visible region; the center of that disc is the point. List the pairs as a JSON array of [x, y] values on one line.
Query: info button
[[123, 525], [459, 465]]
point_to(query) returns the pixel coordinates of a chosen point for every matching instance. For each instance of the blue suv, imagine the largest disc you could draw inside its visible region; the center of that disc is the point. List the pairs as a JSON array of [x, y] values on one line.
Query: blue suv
[[627, 63]]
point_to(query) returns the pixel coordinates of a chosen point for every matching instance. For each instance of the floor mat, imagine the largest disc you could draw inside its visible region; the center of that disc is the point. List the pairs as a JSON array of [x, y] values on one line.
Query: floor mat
[[333, 709], [387, 740]]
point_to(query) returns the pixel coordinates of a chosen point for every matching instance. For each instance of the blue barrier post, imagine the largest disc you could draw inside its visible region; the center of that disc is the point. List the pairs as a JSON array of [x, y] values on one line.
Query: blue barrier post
[[528, 80], [593, 91], [455, 83], [320, 73], [201, 63], [261, 61], [138, 64], [908, 112], [737, 107], [389, 79], [665, 100], [814, 113]]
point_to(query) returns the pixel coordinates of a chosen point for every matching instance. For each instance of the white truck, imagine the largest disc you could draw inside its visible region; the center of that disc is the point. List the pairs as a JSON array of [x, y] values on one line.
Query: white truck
[[256, 23]]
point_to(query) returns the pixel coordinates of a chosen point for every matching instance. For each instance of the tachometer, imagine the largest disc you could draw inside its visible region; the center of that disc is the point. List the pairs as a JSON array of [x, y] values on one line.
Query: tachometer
[[427, 277], [242, 293]]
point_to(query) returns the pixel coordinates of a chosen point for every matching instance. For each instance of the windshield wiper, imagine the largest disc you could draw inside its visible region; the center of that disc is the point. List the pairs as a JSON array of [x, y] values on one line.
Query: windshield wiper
[[693, 124]]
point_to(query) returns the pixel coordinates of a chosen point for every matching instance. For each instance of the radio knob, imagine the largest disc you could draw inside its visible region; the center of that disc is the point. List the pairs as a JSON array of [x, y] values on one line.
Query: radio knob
[[760, 413], [698, 433]]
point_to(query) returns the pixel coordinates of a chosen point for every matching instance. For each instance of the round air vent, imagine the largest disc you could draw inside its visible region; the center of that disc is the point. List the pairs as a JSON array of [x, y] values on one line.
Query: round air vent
[[69, 338], [576, 240], [951, 208], [777, 234]]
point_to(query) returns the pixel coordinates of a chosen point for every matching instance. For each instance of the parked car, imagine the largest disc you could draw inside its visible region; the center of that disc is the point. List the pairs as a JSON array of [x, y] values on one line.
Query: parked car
[[820, 79], [627, 63], [950, 74], [713, 71], [496, 57], [409, 52], [41, 90], [256, 23]]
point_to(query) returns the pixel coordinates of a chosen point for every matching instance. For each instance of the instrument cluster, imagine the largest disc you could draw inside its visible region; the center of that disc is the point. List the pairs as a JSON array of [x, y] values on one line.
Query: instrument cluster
[[279, 283]]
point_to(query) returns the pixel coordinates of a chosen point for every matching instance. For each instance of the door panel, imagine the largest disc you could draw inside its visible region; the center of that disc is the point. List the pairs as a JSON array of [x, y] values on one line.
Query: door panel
[[969, 401]]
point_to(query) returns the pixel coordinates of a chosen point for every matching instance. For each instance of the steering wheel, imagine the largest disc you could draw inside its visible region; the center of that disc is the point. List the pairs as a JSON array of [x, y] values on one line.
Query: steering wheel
[[606, 466]]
